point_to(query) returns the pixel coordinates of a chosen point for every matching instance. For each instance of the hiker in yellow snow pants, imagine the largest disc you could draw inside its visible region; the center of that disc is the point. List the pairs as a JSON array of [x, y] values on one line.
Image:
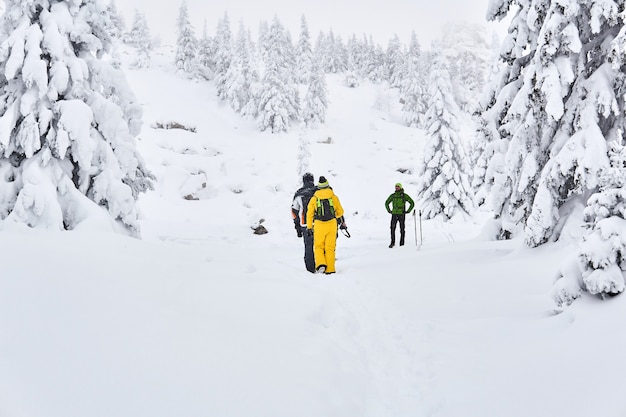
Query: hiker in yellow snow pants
[[324, 212]]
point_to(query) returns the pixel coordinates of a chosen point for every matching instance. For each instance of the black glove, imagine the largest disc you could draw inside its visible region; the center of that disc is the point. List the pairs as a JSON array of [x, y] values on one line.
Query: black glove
[[309, 232], [299, 232], [343, 225]]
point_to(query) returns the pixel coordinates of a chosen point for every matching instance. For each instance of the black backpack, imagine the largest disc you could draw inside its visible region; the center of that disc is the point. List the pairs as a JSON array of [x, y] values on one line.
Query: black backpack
[[324, 209]]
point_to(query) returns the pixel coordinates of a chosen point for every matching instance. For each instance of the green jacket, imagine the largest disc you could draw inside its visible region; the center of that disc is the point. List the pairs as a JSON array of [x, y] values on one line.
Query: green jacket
[[398, 202]]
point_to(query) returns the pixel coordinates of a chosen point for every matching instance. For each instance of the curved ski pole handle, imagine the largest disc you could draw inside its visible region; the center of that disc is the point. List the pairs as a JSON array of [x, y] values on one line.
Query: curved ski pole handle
[[345, 232]]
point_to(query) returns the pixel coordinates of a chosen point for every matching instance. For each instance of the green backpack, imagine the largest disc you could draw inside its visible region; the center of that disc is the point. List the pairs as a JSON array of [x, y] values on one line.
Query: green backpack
[[324, 210]]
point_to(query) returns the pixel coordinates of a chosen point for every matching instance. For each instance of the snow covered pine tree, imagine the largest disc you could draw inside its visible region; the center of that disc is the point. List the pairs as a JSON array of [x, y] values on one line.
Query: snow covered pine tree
[[557, 103], [139, 37], [186, 43], [444, 187], [68, 121]]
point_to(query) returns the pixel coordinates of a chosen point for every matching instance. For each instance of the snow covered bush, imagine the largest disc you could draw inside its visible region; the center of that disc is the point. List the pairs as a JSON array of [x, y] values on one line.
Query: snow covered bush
[[351, 80], [68, 120], [601, 258], [603, 251]]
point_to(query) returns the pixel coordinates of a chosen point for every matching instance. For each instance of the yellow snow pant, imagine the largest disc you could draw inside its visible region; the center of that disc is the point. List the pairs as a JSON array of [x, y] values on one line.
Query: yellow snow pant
[[324, 243]]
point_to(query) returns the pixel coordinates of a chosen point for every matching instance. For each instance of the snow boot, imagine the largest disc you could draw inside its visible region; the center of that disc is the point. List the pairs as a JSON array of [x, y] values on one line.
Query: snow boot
[[321, 269]]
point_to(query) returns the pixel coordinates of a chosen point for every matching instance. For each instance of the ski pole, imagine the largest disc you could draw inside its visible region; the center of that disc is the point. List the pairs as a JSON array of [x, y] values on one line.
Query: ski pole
[[414, 227], [421, 237]]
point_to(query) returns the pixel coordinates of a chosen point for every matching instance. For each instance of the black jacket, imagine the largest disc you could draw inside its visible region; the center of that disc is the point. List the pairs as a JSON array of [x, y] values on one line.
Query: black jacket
[[300, 201]]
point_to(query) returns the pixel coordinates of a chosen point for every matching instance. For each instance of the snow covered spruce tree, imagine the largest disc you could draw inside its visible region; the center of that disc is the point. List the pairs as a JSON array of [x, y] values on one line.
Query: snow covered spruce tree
[[467, 48], [556, 107], [304, 53], [394, 62], [186, 43], [242, 75], [333, 52], [496, 179], [375, 71], [279, 102], [601, 262], [354, 64], [117, 25], [139, 37], [206, 54], [480, 158], [357, 55], [68, 121], [443, 187], [223, 55], [316, 98], [412, 88], [482, 148]]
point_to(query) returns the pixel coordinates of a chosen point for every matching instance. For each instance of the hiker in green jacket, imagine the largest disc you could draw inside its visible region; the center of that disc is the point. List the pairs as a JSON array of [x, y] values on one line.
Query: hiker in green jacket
[[398, 211]]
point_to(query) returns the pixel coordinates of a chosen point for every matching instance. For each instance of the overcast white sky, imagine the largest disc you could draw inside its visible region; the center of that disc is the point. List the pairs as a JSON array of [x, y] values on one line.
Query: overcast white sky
[[380, 18]]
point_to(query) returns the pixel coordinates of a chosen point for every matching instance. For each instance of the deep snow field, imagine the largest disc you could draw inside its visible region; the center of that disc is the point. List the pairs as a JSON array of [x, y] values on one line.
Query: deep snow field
[[201, 317]]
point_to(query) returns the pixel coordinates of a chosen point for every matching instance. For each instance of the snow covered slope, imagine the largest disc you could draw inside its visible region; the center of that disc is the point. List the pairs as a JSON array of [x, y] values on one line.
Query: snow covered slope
[[203, 318]]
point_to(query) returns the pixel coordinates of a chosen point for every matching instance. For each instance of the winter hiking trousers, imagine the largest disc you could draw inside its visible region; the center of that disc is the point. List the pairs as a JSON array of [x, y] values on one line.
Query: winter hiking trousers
[[324, 243], [309, 257], [395, 219]]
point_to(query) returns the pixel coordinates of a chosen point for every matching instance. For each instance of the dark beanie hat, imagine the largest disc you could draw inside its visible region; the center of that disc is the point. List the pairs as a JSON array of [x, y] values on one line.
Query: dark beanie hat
[[308, 177], [323, 182]]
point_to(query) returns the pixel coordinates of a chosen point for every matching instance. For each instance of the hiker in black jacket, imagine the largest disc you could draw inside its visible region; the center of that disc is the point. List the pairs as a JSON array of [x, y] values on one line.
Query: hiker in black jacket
[[298, 210]]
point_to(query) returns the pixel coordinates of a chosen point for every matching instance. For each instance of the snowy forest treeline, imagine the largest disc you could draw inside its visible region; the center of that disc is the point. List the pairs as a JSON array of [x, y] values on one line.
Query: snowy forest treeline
[[548, 103], [261, 78]]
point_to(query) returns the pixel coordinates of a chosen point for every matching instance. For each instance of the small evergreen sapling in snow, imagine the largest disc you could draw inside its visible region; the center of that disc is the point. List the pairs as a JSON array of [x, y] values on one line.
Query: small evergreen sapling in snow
[[68, 121], [304, 152]]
